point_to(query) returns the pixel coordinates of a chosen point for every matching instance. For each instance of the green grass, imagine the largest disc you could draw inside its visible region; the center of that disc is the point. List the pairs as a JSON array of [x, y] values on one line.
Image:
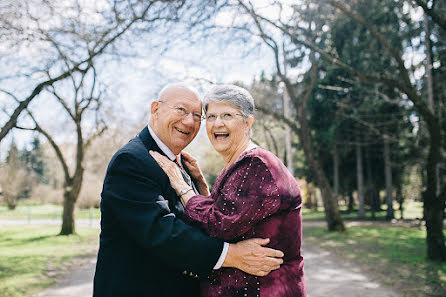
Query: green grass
[[396, 256], [43, 211], [30, 255], [412, 210]]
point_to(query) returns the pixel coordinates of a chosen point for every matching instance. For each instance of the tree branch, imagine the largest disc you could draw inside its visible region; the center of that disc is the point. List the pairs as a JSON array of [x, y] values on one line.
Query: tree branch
[[278, 116], [11, 123], [64, 104], [53, 144], [94, 136]]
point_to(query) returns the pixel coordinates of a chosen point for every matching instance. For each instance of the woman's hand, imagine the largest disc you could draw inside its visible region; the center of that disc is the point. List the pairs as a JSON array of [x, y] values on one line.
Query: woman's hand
[[192, 166], [172, 170], [195, 171]]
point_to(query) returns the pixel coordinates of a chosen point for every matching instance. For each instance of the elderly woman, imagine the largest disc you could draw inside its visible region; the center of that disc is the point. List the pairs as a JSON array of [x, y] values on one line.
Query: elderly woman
[[253, 196]]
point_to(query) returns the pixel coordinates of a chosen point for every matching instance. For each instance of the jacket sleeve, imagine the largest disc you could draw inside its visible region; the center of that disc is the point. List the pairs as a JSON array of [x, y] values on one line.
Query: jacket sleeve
[[248, 196], [132, 200]]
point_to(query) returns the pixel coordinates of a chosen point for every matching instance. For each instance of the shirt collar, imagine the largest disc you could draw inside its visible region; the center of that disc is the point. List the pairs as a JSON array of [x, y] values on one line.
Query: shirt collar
[[163, 147]]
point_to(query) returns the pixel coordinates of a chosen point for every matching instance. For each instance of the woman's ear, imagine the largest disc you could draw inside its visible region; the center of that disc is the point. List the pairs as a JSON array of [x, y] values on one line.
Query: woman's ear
[[250, 121]]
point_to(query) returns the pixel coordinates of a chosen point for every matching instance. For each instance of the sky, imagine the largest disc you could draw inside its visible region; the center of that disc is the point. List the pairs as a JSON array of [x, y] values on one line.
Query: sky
[[133, 82]]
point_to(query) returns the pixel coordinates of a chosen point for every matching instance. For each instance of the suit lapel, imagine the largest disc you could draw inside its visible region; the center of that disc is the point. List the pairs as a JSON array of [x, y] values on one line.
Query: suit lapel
[[150, 144], [148, 141]]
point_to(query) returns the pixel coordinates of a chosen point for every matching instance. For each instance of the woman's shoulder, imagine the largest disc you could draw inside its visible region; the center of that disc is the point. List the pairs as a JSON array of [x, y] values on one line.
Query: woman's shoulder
[[269, 161], [262, 155]]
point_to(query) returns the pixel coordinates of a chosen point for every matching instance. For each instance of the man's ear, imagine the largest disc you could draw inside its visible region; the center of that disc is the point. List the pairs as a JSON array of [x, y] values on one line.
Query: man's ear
[[154, 107]]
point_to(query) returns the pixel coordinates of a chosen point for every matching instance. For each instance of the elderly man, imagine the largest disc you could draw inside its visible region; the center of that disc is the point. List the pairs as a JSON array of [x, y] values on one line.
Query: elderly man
[[145, 247]]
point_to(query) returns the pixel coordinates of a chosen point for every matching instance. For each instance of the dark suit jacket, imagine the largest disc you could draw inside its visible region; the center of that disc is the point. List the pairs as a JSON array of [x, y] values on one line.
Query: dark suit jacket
[[145, 247]]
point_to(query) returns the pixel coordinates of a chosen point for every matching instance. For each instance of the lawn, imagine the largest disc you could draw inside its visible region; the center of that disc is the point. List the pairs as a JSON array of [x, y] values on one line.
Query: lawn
[[32, 256], [27, 211], [412, 210], [395, 256]]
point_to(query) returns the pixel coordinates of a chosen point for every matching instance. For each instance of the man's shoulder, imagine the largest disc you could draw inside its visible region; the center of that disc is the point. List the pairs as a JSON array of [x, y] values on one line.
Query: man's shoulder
[[134, 150], [134, 147]]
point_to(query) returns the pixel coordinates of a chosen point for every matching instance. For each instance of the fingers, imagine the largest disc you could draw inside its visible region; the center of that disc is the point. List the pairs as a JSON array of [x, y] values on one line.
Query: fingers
[[273, 262], [169, 167], [270, 265], [189, 160], [260, 273], [265, 270], [160, 159], [187, 157], [261, 241], [272, 253], [268, 251]]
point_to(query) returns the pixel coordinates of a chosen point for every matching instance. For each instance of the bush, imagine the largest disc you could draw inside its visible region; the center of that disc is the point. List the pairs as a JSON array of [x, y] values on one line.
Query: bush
[[90, 195], [43, 193]]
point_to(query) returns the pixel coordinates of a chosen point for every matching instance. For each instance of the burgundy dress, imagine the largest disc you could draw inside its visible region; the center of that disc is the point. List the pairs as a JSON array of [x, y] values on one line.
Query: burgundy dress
[[255, 197]]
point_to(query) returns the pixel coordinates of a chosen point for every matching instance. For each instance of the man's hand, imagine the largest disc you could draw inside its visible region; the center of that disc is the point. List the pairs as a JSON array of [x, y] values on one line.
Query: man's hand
[[251, 257]]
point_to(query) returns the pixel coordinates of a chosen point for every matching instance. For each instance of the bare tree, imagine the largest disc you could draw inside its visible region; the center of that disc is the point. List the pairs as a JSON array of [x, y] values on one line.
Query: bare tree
[[71, 36], [74, 40], [84, 98]]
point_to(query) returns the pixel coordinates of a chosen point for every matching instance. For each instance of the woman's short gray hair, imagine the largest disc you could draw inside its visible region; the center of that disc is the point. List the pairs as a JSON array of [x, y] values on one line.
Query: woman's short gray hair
[[231, 94]]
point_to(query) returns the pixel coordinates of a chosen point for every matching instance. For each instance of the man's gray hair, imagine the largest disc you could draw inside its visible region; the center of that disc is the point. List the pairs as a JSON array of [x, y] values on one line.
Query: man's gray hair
[[231, 94]]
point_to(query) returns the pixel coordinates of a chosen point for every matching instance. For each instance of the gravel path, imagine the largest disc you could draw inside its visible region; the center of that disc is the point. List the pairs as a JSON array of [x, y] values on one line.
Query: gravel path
[[325, 276]]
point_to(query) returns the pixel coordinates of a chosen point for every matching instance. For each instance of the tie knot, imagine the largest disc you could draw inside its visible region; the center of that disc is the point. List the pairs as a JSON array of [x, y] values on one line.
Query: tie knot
[[177, 160]]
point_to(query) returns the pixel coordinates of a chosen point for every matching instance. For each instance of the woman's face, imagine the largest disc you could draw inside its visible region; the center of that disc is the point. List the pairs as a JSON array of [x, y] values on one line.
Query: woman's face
[[227, 129]]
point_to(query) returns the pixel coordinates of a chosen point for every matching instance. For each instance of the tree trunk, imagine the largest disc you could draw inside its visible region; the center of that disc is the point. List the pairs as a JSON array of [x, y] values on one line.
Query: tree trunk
[[71, 193], [428, 61], [388, 177], [68, 223], [360, 179], [400, 200], [336, 173], [288, 152], [370, 189], [331, 209], [332, 216], [11, 201], [430, 84], [433, 203], [351, 202]]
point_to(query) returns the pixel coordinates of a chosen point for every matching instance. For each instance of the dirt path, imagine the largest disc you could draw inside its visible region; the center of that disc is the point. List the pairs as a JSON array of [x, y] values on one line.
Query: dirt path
[[325, 276], [329, 276], [78, 283]]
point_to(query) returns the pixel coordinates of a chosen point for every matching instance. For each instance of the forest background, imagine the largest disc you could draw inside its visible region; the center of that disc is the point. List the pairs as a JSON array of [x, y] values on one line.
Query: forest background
[[350, 95]]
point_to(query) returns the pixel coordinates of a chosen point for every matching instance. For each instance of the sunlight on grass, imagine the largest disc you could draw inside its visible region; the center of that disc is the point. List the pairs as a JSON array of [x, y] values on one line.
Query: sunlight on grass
[[29, 253], [412, 210], [43, 211], [397, 255]]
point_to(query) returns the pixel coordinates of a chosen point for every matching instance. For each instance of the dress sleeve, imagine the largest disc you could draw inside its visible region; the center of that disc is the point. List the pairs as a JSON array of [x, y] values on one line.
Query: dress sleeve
[[248, 196]]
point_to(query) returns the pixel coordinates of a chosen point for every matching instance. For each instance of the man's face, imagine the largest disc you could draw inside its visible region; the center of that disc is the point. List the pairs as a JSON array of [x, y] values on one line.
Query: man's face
[[176, 130]]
